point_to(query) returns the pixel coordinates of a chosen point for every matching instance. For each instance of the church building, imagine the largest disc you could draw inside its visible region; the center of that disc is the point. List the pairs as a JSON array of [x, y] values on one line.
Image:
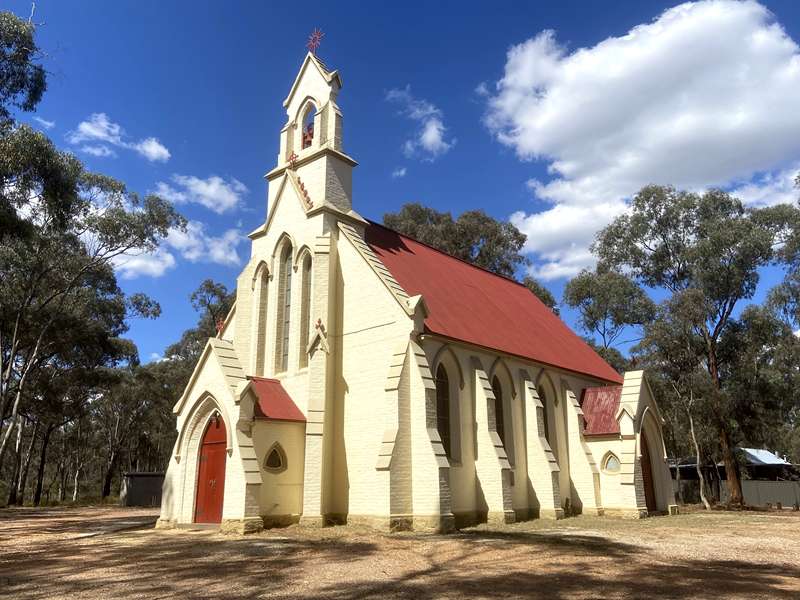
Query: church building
[[364, 377]]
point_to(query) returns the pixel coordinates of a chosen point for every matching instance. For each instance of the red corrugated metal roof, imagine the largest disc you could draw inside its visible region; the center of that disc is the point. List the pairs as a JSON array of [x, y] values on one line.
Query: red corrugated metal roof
[[600, 405], [273, 401], [473, 305]]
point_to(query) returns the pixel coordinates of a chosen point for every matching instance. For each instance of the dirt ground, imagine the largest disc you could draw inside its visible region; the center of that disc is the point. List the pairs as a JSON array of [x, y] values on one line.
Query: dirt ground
[[103, 552]]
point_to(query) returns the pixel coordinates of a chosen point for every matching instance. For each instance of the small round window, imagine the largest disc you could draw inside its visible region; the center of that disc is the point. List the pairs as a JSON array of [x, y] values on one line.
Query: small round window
[[276, 459], [611, 463]]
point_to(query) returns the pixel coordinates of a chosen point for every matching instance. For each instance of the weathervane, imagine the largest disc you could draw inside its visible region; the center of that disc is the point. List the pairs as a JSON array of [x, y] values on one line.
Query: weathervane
[[314, 40]]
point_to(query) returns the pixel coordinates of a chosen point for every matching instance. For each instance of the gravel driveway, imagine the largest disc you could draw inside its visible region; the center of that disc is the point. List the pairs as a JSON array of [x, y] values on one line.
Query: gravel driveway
[[82, 553]]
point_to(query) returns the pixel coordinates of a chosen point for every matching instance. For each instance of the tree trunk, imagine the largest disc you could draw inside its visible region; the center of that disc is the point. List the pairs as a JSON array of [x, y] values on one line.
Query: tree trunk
[[109, 474], [731, 470], [13, 483], [78, 467], [37, 495], [728, 459], [26, 463], [697, 463]]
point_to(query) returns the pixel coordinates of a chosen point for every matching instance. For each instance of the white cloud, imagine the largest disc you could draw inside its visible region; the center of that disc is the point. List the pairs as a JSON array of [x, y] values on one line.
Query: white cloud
[[152, 150], [196, 245], [705, 95], [222, 250], [213, 192], [44, 122], [99, 128], [399, 172], [98, 150], [770, 188], [147, 264], [429, 141]]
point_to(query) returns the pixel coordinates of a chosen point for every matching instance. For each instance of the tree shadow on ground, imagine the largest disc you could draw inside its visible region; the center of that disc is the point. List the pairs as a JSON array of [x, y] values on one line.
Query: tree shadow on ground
[[350, 565]]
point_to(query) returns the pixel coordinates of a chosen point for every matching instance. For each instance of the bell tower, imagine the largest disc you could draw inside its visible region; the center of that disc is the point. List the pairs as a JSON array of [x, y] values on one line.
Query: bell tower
[[311, 146]]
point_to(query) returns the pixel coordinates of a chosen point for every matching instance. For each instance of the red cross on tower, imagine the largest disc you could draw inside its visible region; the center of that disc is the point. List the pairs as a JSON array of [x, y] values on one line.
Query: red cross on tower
[[314, 40]]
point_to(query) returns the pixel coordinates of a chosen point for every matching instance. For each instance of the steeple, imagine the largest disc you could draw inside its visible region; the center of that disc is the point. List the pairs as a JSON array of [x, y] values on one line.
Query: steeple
[[311, 147]]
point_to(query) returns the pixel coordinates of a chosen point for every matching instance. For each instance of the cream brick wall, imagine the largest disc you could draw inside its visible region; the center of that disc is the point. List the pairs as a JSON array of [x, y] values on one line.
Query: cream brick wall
[[491, 463], [372, 327], [542, 472], [281, 493]]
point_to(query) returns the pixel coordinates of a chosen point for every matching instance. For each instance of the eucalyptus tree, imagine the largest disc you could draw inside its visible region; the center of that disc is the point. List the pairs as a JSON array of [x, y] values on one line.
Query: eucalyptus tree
[[707, 246], [608, 302], [474, 236], [70, 227]]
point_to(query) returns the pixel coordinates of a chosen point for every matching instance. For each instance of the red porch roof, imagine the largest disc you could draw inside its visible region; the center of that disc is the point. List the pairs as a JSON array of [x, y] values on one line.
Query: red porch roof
[[600, 405], [274, 402], [472, 305]]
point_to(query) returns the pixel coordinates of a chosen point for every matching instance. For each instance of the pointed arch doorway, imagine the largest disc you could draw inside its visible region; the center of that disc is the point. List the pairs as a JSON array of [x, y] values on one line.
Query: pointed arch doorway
[[211, 472], [647, 475]]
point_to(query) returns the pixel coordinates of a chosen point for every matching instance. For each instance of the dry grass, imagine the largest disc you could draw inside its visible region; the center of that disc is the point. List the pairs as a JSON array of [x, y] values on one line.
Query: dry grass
[[46, 554]]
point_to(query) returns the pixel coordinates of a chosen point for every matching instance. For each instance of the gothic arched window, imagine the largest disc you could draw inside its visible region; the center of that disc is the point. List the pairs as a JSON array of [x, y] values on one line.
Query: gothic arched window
[[276, 459], [284, 312], [499, 415], [443, 409], [307, 133], [305, 311], [545, 416], [611, 464], [261, 289]]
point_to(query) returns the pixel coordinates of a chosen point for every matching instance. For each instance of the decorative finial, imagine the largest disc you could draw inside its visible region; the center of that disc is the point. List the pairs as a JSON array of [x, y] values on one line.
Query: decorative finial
[[314, 40], [292, 160]]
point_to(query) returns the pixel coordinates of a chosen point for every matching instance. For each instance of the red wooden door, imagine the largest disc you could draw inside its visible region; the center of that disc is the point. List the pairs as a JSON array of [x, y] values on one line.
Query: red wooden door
[[647, 476], [211, 473]]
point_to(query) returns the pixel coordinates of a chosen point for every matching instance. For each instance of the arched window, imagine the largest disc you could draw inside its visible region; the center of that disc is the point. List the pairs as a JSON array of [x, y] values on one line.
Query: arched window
[[499, 416], [543, 400], [276, 459], [261, 318], [443, 409], [305, 311], [611, 464], [284, 312], [307, 134]]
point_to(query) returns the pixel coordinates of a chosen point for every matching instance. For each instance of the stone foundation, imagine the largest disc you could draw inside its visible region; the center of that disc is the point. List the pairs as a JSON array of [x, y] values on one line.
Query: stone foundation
[[241, 526], [271, 521], [551, 513], [505, 517]]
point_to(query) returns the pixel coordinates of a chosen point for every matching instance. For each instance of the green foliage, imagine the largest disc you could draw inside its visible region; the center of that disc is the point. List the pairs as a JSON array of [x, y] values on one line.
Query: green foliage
[[608, 302], [62, 314], [706, 250], [22, 80], [474, 236], [541, 292]]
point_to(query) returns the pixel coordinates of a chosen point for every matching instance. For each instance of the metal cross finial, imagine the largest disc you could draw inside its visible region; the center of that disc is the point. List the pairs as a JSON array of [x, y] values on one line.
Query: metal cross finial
[[314, 40]]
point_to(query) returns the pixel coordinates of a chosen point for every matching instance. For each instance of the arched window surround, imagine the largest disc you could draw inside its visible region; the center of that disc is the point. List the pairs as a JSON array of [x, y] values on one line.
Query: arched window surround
[[275, 459], [611, 464], [283, 312], [504, 422], [306, 273], [443, 410]]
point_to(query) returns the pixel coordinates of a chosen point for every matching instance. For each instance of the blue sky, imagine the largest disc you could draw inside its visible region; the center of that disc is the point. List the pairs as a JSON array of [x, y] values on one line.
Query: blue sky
[[553, 130]]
